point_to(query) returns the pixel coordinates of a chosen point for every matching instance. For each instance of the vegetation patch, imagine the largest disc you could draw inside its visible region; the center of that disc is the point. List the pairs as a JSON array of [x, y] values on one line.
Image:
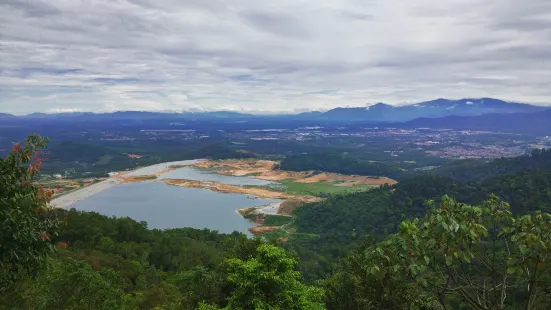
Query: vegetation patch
[[176, 166], [322, 189], [105, 159], [145, 177], [265, 219], [276, 220]]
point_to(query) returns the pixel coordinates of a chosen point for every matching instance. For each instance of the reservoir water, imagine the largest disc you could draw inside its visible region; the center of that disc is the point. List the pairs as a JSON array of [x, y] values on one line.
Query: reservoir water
[[201, 175], [165, 206]]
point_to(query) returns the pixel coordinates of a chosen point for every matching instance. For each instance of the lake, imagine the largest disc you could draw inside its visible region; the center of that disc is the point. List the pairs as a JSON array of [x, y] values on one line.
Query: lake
[[165, 206], [205, 175]]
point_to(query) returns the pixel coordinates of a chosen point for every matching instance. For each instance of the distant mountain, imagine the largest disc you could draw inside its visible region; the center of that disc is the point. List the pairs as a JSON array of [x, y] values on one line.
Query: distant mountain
[[537, 123], [381, 112], [56, 115], [218, 114], [6, 116]]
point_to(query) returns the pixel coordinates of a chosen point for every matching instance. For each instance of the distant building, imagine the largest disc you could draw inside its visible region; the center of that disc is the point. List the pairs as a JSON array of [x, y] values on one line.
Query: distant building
[[58, 176]]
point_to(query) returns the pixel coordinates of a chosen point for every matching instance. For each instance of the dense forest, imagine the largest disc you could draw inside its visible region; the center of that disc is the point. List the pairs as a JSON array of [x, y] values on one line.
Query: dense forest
[[476, 170], [128, 266], [341, 222], [428, 242], [339, 163]]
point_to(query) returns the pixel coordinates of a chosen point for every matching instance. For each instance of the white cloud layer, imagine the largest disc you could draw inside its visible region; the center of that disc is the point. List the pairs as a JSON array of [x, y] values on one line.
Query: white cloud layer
[[286, 55]]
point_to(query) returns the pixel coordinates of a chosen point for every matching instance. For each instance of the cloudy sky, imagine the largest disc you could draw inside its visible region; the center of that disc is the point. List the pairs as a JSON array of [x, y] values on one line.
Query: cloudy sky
[[253, 55]]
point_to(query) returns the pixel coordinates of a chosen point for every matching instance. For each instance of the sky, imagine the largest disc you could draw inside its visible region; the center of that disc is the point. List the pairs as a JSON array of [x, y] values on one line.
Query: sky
[[268, 56]]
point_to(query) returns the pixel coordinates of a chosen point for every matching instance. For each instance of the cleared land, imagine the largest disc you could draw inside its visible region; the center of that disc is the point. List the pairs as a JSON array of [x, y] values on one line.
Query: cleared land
[[228, 188], [83, 193], [265, 170]]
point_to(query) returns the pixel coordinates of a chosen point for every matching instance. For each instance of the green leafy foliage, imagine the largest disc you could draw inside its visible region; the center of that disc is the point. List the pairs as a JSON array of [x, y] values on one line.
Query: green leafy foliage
[[269, 281], [481, 255], [122, 264], [26, 222], [73, 284]]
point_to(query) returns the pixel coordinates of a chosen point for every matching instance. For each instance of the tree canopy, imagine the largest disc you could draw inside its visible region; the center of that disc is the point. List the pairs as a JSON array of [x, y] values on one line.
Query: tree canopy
[[26, 222]]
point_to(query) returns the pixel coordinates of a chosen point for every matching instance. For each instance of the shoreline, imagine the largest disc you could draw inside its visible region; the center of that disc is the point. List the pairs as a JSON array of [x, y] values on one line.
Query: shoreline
[[236, 189], [122, 177]]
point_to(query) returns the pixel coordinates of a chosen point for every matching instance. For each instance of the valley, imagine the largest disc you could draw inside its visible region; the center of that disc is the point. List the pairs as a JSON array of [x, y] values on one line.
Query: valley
[[166, 205], [231, 177]]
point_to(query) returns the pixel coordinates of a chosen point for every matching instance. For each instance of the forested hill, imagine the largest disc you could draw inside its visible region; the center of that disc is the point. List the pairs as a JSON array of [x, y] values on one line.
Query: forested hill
[[475, 170], [339, 163], [379, 211], [460, 170], [524, 181], [117, 263], [340, 223]]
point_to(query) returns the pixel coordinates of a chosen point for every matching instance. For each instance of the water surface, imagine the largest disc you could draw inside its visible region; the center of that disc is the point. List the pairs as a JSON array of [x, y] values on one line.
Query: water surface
[[164, 206], [205, 175]]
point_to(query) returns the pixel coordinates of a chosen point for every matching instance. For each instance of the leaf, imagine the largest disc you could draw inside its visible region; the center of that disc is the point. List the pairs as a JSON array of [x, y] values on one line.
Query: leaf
[[511, 270], [449, 260]]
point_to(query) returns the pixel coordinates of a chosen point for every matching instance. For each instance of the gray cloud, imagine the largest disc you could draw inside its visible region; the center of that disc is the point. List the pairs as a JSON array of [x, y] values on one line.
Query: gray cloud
[[271, 56]]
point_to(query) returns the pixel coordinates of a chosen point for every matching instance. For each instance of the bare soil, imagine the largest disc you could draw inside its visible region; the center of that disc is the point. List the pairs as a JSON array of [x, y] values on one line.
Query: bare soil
[[265, 170], [228, 188], [262, 229]]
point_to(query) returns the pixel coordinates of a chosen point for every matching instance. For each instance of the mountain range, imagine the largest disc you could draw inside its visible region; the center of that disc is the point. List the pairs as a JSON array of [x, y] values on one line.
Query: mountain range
[[377, 113], [381, 112], [535, 123]]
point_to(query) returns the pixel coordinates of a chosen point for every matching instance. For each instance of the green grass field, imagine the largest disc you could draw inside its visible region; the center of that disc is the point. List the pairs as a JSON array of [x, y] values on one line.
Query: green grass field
[[145, 177], [276, 220], [105, 159], [321, 189]]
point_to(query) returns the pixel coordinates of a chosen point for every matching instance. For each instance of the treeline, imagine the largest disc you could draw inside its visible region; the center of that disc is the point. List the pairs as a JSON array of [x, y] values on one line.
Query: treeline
[[339, 163], [117, 263], [338, 225], [377, 212]]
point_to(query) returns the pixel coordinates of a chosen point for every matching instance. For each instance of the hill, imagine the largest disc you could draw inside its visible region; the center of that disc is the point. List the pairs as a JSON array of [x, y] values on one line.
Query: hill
[[6, 116], [537, 123], [381, 112], [341, 222]]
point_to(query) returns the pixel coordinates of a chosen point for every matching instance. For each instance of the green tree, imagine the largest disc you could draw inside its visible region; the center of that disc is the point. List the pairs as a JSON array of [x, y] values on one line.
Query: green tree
[[355, 286], [74, 285], [27, 224], [478, 256], [269, 281]]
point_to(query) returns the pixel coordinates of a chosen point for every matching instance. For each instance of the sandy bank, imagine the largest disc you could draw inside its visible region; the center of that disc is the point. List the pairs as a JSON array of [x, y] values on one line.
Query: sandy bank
[[262, 229], [123, 177], [83, 193], [161, 168], [265, 170], [227, 188]]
